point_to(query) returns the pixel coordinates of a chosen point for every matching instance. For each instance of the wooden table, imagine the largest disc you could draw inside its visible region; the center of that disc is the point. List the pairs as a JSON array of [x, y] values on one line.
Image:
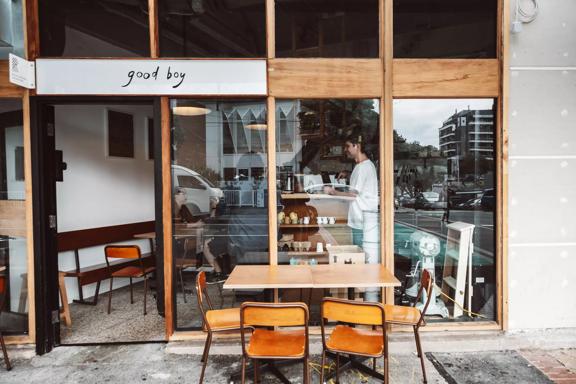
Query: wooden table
[[310, 276], [313, 276]]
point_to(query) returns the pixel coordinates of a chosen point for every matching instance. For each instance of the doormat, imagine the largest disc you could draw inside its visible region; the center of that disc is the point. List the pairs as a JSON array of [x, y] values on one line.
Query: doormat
[[506, 367]]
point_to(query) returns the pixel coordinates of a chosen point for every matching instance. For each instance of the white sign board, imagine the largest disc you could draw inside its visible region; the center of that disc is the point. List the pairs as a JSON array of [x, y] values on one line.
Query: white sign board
[[150, 77], [21, 72]]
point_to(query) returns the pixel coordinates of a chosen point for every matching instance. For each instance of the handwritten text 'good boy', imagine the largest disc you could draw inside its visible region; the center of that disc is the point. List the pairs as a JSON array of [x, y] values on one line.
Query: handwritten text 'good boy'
[[177, 76]]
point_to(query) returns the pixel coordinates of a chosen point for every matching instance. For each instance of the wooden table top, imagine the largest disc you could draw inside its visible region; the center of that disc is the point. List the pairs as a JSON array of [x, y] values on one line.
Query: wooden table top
[[352, 276], [269, 276], [307, 276]]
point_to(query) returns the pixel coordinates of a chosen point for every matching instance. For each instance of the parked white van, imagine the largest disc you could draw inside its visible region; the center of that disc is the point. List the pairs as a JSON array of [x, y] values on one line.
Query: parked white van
[[199, 191]]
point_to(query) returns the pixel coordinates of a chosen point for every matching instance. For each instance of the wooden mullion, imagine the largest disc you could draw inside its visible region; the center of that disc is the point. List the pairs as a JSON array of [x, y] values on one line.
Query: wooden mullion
[[31, 29], [153, 25], [27, 141], [167, 214], [387, 145], [502, 168], [270, 29], [272, 203]]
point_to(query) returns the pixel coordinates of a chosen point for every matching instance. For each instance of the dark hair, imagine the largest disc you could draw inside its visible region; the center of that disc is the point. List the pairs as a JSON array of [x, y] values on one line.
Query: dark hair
[[367, 147], [357, 138]]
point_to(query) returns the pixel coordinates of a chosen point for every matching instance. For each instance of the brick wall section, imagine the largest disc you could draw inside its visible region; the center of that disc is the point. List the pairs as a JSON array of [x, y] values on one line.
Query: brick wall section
[[554, 369]]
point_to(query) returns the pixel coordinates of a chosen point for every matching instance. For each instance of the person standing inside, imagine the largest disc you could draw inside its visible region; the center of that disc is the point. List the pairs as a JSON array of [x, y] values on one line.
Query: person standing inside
[[363, 186]]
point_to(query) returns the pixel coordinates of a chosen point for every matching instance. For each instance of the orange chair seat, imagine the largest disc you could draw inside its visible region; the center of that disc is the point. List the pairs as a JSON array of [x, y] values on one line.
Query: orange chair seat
[[132, 271], [220, 319], [282, 343], [398, 314], [356, 340]]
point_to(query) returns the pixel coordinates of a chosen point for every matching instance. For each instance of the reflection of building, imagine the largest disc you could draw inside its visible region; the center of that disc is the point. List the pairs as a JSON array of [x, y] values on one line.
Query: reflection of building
[[468, 133]]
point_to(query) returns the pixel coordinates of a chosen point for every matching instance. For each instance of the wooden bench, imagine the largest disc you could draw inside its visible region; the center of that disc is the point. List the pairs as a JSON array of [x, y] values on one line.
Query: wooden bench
[[85, 238]]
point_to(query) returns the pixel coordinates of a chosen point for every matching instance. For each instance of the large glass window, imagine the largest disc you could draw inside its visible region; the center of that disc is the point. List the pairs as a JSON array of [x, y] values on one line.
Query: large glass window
[[445, 28], [212, 28], [219, 179], [320, 28], [13, 249], [445, 204], [11, 28], [95, 28], [327, 176]]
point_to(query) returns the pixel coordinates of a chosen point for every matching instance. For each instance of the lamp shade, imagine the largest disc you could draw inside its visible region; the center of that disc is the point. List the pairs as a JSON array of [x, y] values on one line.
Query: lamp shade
[[190, 110]]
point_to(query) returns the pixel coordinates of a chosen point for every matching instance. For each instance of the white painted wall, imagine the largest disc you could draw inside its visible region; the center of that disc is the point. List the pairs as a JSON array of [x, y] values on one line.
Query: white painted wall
[[542, 194], [97, 190], [17, 247]]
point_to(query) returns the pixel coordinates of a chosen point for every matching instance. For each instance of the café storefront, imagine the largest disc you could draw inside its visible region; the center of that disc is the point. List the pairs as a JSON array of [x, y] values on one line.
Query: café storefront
[[277, 132]]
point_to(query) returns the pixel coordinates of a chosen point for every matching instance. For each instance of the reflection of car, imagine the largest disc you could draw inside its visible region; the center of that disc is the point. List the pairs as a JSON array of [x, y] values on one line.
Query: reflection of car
[[429, 200], [199, 191], [488, 199], [431, 196], [470, 204]]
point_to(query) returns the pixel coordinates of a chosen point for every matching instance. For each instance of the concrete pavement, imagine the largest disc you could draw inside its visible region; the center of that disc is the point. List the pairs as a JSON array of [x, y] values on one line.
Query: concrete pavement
[[480, 357]]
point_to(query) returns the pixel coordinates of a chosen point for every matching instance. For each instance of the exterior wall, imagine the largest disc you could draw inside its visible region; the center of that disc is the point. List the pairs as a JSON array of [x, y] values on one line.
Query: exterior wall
[[542, 189], [99, 191]]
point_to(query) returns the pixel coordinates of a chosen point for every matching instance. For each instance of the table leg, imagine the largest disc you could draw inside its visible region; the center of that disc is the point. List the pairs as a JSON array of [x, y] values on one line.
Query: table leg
[[65, 312]]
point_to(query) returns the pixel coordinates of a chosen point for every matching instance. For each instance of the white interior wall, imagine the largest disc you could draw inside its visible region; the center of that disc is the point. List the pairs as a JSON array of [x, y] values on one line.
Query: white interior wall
[[97, 190], [17, 246], [542, 179]]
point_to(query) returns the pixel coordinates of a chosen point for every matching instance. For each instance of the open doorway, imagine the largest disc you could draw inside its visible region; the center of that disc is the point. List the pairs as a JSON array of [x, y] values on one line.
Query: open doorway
[[103, 180]]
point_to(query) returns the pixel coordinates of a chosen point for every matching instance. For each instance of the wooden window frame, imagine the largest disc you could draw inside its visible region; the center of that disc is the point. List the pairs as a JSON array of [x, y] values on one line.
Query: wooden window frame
[[384, 78]]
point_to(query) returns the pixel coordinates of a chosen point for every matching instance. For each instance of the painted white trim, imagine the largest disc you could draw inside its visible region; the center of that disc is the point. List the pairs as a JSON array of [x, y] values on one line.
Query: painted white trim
[[536, 245], [543, 68], [542, 157]]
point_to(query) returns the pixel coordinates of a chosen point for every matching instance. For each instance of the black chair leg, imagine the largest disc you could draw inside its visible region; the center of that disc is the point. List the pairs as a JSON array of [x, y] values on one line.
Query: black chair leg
[[5, 352], [243, 369], [145, 291], [256, 370], [205, 358], [420, 354], [131, 293], [386, 371], [322, 366], [337, 368], [110, 296]]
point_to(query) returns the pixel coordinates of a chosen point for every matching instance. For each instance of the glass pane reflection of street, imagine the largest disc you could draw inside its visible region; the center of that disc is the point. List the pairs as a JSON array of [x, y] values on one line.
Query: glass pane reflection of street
[[444, 183]]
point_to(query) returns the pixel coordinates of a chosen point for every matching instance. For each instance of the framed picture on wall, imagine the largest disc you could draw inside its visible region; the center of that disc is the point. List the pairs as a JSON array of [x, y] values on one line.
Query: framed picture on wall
[[120, 134]]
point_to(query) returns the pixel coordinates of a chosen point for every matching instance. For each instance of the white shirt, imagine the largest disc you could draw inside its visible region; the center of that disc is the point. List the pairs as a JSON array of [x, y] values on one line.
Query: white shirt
[[364, 181]]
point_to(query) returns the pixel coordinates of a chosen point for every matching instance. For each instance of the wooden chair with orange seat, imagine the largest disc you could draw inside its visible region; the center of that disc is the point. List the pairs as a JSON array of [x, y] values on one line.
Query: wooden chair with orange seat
[[412, 316], [2, 297], [213, 320], [352, 341], [127, 252], [274, 344]]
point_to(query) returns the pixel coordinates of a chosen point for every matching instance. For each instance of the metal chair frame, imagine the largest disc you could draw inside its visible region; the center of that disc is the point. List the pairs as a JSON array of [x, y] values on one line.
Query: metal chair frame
[[426, 285], [203, 300], [353, 363], [140, 264], [251, 327]]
